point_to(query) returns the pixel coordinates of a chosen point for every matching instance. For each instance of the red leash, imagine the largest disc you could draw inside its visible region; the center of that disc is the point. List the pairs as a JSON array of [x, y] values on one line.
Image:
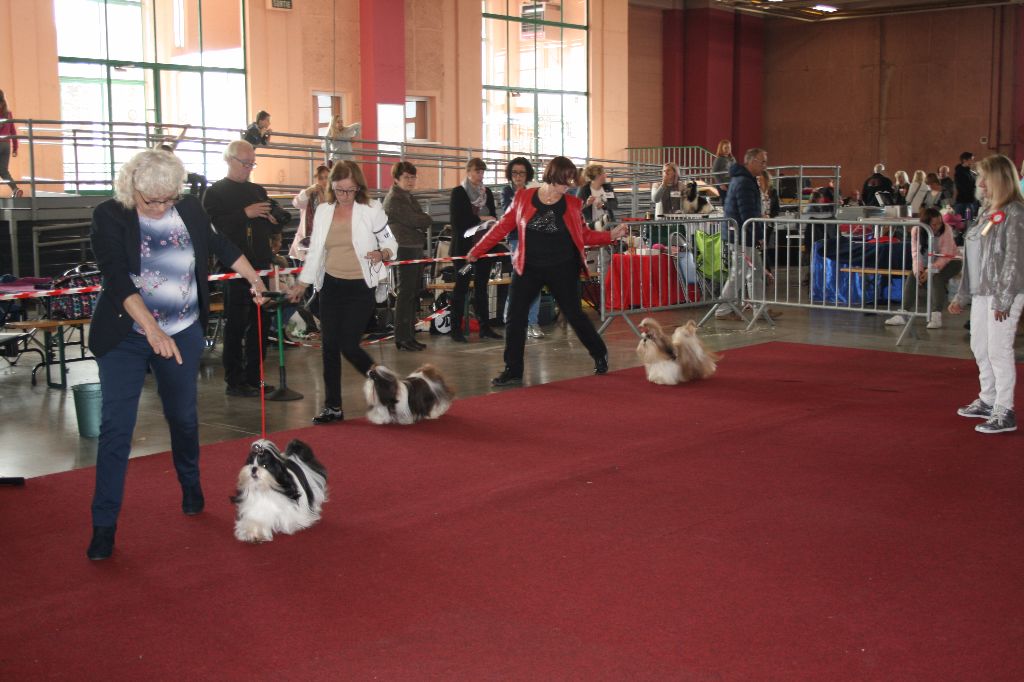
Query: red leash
[[263, 401]]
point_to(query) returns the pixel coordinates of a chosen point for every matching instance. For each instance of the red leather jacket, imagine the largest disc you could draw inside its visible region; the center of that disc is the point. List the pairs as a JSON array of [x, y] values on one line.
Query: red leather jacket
[[520, 213]]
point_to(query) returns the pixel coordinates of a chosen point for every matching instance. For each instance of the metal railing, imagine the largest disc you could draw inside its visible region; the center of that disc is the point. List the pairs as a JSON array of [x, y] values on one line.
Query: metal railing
[[663, 265], [858, 267]]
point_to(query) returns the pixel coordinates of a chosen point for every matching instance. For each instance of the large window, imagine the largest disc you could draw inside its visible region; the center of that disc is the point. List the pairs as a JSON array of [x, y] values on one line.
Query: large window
[[535, 77], [133, 71]]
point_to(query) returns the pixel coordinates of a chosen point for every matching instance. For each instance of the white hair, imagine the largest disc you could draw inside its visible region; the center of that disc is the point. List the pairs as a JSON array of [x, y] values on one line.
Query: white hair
[[236, 146], [153, 173]]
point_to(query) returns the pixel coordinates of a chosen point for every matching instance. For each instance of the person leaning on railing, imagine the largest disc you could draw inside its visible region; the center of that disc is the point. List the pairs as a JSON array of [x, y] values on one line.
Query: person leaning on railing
[[993, 283], [153, 248], [8, 145]]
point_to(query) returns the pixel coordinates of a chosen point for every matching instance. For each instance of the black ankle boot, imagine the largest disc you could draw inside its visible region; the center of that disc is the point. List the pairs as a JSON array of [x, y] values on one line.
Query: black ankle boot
[[192, 501], [102, 544], [601, 365]]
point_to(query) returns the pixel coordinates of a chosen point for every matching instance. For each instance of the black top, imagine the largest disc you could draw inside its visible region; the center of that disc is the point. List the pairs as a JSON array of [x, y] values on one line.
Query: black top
[[116, 243], [547, 238], [964, 180], [463, 216], [253, 136], [225, 201]]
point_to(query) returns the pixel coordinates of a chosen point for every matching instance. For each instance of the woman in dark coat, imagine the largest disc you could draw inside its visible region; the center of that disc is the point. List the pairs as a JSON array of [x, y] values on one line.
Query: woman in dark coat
[[153, 249]]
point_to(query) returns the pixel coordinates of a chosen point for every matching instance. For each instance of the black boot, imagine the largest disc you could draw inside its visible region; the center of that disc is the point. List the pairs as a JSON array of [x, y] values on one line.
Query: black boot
[[601, 365], [192, 501], [102, 544]]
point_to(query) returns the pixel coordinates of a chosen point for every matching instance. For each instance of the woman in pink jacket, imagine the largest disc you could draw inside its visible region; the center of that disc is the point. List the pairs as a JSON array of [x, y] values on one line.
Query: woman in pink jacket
[[944, 268], [552, 237]]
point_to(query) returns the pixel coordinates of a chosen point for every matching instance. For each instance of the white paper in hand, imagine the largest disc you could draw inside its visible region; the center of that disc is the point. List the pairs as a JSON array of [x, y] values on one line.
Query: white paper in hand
[[481, 228]]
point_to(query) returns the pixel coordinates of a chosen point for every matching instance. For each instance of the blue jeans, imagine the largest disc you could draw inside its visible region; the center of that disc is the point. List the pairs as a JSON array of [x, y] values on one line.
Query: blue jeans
[[122, 374], [534, 314]]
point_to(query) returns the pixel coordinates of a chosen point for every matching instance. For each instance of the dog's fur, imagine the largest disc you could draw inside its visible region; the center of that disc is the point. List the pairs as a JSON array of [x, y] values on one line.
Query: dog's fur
[[392, 400], [278, 493], [676, 359], [692, 203]]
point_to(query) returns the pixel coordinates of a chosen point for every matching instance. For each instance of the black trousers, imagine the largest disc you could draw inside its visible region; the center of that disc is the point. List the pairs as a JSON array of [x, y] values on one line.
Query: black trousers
[[241, 354], [563, 282], [480, 273], [345, 306], [410, 283]]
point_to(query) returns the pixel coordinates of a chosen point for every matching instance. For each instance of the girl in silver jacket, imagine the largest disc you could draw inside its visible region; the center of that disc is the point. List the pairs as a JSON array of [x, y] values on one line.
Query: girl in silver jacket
[[993, 282]]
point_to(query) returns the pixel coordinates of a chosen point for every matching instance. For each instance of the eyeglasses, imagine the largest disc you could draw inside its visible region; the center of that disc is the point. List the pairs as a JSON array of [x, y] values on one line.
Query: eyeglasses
[[150, 203], [521, 174], [346, 192], [247, 164]]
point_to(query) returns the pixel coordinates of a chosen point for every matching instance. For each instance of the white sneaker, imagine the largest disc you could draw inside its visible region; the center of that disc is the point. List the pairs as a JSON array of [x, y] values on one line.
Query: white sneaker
[[934, 321], [896, 320], [534, 332]]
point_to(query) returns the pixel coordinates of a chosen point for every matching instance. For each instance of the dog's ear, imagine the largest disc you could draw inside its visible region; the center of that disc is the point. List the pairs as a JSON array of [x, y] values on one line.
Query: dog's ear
[[421, 397], [385, 384], [691, 326]]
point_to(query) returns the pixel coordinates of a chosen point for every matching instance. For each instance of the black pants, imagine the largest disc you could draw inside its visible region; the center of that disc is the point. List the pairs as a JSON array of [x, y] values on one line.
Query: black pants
[[480, 273], [562, 281], [410, 282], [345, 306], [241, 355]]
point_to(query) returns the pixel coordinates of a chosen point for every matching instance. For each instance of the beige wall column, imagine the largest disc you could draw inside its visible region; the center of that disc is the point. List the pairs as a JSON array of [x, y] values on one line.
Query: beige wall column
[[28, 77], [609, 76]]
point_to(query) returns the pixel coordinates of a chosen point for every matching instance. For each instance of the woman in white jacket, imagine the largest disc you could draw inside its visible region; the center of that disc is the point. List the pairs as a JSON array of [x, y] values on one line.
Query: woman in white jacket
[[350, 240]]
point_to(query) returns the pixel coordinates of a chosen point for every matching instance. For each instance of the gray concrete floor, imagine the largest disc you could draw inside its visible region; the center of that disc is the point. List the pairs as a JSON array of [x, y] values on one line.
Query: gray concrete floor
[[40, 432]]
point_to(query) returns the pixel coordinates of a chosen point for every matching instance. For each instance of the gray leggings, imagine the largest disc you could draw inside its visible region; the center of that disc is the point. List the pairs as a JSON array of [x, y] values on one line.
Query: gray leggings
[[5, 162]]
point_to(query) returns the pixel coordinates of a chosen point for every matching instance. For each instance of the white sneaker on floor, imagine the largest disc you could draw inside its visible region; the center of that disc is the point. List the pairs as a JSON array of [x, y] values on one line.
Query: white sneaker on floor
[[534, 332], [897, 320], [934, 321]]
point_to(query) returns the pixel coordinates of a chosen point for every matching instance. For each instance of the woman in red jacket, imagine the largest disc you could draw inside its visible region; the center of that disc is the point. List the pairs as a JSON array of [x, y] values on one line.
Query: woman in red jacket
[[552, 236]]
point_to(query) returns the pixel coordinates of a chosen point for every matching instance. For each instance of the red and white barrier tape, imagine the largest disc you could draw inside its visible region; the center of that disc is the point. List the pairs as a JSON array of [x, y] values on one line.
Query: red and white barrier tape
[[428, 318], [95, 288]]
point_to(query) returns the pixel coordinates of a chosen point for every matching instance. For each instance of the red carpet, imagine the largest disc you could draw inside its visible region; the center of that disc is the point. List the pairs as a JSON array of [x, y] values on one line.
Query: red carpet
[[808, 514]]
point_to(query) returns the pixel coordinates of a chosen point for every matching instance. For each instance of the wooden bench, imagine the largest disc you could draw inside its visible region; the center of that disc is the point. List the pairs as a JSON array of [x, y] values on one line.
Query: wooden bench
[[886, 272], [55, 338]]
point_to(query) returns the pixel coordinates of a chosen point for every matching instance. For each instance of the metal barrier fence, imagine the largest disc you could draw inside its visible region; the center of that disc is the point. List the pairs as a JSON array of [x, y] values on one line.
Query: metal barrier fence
[[666, 265], [859, 267]]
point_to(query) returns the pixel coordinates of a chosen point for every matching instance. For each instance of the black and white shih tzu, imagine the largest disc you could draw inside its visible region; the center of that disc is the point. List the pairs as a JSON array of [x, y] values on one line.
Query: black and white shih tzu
[[693, 203], [393, 400], [671, 360], [278, 492]]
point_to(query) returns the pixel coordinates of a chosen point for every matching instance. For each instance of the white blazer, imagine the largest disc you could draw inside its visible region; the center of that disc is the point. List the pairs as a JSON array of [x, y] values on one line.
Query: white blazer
[[370, 232]]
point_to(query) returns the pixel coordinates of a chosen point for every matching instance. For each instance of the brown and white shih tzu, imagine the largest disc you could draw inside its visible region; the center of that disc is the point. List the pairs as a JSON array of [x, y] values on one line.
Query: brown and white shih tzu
[[671, 360], [278, 492], [393, 400]]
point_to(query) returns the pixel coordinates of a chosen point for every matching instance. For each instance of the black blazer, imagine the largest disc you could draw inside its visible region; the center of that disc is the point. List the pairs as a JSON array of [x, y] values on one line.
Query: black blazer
[[462, 217], [116, 241]]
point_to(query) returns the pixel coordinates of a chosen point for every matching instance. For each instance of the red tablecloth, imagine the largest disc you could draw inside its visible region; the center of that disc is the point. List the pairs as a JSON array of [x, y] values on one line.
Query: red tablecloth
[[645, 281]]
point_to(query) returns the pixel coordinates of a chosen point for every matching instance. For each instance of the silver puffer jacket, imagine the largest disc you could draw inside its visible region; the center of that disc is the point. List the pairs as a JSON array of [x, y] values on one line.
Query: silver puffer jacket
[[1001, 273]]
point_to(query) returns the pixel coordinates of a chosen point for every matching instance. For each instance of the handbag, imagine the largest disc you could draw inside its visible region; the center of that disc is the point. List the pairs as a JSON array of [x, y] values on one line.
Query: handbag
[[75, 306]]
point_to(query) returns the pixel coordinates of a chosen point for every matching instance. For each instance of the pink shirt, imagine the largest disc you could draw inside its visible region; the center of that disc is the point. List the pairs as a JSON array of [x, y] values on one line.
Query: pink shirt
[[945, 245], [8, 132]]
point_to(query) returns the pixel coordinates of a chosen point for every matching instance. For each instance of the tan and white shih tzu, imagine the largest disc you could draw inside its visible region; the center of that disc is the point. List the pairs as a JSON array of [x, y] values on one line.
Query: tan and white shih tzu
[[393, 400], [278, 492], [671, 360]]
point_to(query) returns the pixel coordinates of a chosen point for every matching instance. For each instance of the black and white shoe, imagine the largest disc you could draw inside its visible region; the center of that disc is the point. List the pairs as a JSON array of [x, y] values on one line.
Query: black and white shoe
[[1001, 421], [328, 415]]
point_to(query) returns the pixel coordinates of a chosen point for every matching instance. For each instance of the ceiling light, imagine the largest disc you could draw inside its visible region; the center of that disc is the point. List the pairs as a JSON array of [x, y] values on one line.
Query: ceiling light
[[825, 8]]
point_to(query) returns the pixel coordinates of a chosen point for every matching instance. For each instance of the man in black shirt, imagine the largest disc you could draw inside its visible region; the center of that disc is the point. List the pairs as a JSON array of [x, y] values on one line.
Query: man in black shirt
[[241, 211], [966, 202]]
